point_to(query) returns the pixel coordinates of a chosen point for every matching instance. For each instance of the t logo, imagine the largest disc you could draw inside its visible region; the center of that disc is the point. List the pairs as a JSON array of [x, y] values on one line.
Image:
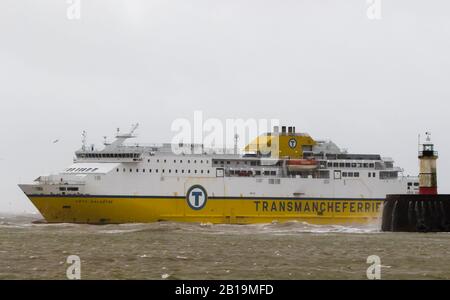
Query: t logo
[[196, 197], [292, 143]]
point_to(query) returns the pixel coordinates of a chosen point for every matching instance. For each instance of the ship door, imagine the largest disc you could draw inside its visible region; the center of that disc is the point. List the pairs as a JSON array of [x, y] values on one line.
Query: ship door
[[337, 175]]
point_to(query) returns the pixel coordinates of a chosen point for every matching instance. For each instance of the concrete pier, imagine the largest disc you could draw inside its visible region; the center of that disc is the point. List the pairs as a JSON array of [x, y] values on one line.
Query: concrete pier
[[416, 213]]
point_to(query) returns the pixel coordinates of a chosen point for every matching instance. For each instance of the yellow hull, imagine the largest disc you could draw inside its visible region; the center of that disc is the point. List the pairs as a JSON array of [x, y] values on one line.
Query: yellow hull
[[106, 210]]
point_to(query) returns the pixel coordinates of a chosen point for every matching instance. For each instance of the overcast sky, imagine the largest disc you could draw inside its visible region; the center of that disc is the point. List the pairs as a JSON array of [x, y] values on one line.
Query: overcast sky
[[322, 65]]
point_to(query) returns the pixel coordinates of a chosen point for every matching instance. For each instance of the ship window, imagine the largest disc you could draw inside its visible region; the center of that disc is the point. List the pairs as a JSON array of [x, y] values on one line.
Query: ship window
[[189, 161], [170, 171], [182, 171], [117, 170], [201, 161], [157, 160], [137, 170], [410, 183], [341, 165], [175, 161], [176, 171], [189, 171], [207, 161], [143, 170], [359, 165], [370, 174], [165, 160], [215, 162], [336, 165], [228, 162], [266, 173], [416, 184], [353, 165], [366, 165], [374, 175], [273, 173], [201, 171], [258, 172], [371, 166], [181, 161], [148, 160], [131, 170], [330, 165], [163, 170], [221, 162], [62, 188], [156, 170], [344, 174], [149, 170], [357, 174], [208, 172], [72, 189], [350, 174], [195, 171], [347, 165]]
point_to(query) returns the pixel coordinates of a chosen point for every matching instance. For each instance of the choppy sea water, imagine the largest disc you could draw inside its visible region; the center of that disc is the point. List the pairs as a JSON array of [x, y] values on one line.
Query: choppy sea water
[[168, 250]]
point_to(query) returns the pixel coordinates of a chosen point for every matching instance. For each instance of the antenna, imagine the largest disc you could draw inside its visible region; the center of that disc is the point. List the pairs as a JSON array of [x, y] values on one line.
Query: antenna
[[236, 139], [133, 128], [83, 140]]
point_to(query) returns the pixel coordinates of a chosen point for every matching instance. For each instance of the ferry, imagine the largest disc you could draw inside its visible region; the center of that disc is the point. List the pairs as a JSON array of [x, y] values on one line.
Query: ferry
[[278, 177]]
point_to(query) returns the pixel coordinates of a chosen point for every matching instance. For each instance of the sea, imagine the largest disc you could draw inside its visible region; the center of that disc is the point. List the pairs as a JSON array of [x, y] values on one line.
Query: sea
[[31, 249]]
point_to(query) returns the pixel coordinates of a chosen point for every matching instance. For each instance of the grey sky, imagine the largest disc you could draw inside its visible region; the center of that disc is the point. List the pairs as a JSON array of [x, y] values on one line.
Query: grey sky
[[323, 66]]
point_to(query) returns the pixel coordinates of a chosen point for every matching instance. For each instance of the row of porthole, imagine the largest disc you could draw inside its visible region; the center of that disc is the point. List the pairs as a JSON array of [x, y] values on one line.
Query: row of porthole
[[163, 171], [181, 161]]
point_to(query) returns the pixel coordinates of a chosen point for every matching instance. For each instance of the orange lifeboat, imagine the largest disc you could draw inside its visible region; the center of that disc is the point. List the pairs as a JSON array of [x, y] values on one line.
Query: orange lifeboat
[[301, 164]]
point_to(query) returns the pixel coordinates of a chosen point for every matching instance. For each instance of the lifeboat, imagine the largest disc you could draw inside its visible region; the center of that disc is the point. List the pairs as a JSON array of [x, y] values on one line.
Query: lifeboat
[[301, 164]]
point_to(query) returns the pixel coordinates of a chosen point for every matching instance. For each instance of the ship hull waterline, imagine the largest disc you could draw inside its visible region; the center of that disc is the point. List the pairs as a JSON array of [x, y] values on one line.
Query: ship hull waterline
[[219, 210]]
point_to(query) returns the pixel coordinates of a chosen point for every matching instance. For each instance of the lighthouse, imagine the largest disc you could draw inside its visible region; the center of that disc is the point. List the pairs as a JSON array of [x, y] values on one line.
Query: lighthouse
[[428, 175], [424, 212]]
